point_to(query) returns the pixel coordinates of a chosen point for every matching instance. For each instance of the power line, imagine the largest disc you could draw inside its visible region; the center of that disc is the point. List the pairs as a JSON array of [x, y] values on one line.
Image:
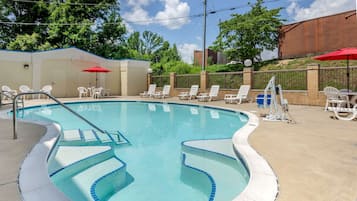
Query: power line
[[68, 3], [210, 12]]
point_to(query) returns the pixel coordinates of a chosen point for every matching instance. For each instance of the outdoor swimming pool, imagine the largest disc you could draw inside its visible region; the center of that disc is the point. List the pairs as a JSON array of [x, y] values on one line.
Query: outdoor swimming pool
[[158, 160]]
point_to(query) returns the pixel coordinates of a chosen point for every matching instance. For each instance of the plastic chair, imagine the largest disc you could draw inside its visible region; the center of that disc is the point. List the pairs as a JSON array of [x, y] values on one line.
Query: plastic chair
[[25, 89], [164, 93], [150, 92], [241, 95], [97, 92], [46, 89], [344, 113], [189, 95], [8, 92], [213, 93], [334, 98], [82, 91]]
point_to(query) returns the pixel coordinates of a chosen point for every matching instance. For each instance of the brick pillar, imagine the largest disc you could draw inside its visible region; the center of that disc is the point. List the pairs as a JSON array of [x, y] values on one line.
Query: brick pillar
[[248, 76], [172, 83], [313, 83], [204, 81], [148, 80]]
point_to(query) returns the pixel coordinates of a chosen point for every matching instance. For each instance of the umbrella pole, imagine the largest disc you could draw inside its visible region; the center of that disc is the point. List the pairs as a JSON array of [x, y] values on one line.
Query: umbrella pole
[[348, 75], [96, 80]]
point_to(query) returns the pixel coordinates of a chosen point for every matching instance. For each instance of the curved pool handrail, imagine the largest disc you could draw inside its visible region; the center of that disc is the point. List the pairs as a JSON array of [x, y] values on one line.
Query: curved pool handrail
[[14, 110]]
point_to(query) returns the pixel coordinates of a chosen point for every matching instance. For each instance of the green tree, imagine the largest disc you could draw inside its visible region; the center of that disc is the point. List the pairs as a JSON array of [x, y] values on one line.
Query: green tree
[[133, 42], [96, 27], [15, 12], [245, 36], [151, 42]]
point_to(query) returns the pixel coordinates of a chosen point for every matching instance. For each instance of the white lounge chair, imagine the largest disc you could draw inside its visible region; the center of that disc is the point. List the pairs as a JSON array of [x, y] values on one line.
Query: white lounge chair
[[82, 91], [239, 97], [25, 89], [344, 113], [46, 89], [334, 98], [164, 93], [150, 92], [213, 93], [189, 95]]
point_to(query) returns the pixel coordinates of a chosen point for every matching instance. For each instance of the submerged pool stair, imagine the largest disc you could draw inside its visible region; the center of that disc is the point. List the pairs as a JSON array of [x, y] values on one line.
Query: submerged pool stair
[[91, 137], [89, 177], [96, 177], [215, 166]]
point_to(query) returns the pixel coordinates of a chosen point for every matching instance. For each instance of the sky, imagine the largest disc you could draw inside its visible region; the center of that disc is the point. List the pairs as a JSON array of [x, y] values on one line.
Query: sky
[[180, 22]]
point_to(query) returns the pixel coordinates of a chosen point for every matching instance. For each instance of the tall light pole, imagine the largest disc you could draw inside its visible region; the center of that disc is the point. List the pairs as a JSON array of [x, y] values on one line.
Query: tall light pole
[[204, 35]]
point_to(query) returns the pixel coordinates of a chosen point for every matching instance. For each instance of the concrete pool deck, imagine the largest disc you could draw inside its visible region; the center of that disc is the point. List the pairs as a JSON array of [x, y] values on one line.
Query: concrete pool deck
[[315, 159]]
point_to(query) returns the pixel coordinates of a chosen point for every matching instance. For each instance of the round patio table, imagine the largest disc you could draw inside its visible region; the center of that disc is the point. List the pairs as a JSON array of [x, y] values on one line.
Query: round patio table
[[352, 96]]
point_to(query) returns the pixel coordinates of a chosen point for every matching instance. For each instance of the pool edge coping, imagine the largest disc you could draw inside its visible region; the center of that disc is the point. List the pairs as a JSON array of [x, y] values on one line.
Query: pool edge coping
[[262, 185]]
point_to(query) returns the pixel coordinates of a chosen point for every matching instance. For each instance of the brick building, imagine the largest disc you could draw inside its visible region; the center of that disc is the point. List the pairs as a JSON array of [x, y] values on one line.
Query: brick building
[[212, 57], [320, 35]]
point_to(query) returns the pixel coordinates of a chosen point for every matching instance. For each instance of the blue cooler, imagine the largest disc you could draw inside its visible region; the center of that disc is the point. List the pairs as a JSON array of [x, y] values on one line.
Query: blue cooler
[[260, 100]]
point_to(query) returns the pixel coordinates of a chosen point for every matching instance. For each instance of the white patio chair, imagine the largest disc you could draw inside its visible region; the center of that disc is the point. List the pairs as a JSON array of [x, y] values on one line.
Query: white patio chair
[[8, 92], [46, 89], [213, 93], [189, 95], [164, 93], [82, 91], [344, 113], [239, 97], [334, 98], [25, 89], [97, 92], [150, 92]]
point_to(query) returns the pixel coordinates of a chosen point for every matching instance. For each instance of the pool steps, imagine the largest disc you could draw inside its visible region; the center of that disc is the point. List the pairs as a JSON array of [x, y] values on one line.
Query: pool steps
[[196, 155], [89, 177], [202, 158], [90, 137], [79, 186]]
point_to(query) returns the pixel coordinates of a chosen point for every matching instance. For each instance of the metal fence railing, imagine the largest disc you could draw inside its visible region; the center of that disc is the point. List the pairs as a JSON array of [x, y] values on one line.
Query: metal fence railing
[[288, 79], [227, 80], [160, 80], [337, 77], [186, 80]]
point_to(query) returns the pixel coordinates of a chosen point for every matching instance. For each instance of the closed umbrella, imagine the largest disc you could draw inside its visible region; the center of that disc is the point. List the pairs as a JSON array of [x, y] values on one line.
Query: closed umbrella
[[96, 70], [341, 54]]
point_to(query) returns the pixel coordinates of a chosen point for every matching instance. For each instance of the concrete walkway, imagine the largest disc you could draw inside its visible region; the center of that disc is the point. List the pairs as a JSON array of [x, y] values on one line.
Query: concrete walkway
[[12, 153], [314, 159]]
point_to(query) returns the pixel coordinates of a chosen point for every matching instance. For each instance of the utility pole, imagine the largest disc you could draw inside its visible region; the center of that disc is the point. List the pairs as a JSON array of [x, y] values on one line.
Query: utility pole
[[204, 35]]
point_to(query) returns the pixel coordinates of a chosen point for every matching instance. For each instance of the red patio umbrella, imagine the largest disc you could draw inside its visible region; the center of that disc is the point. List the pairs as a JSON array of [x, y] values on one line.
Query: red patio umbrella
[[341, 54], [96, 69]]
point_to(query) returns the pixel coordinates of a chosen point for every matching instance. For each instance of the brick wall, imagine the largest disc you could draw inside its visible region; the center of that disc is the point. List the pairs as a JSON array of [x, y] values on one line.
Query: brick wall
[[318, 35]]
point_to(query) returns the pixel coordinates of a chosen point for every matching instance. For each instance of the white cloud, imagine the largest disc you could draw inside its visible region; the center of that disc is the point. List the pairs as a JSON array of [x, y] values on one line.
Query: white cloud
[[137, 15], [173, 9], [173, 16], [186, 51], [319, 8], [138, 2], [268, 54]]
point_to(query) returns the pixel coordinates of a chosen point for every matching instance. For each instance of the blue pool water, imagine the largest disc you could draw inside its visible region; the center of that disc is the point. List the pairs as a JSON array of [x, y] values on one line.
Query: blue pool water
[[155, 131]]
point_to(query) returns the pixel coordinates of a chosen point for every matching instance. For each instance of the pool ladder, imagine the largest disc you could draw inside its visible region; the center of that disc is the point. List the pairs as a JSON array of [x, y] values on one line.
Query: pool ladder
[[14, 110]]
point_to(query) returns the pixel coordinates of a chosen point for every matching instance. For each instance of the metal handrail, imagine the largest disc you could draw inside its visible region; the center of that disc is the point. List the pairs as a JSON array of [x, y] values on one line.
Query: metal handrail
[[14, 110]]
